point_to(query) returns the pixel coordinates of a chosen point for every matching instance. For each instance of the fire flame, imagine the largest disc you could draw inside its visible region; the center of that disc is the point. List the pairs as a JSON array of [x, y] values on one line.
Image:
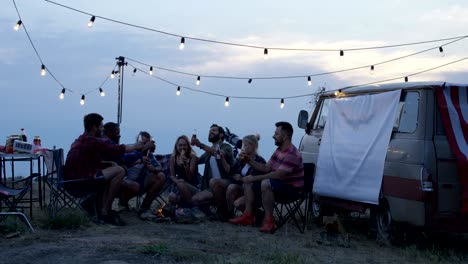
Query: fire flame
[[159, 211]]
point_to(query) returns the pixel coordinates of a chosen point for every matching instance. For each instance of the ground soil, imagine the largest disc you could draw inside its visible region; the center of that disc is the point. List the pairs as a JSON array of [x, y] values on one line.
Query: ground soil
[[211, 242]]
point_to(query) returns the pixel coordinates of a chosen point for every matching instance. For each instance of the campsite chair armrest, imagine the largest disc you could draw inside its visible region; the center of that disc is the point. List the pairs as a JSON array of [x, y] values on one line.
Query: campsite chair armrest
[[27, 179]]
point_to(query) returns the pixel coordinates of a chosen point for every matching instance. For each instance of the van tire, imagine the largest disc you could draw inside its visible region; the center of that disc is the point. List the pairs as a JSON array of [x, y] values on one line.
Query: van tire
[[384, 223], [316, 211]]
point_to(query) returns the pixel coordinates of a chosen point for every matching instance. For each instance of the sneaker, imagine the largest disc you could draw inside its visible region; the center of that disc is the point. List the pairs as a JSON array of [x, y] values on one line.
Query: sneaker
[[268, 225], [112, 218], [145, 214], [245, 219]]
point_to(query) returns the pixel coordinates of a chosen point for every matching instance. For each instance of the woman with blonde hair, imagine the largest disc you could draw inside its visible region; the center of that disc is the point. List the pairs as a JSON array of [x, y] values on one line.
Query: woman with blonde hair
[[234, 193], [183, 166]]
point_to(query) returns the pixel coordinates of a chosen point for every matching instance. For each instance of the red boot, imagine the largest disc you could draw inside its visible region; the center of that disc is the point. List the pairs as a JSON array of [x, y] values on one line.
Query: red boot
[[245, 219], [268, 225]]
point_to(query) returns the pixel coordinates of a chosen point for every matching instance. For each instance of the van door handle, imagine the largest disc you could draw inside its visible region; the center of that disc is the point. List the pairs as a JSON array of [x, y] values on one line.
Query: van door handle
[[319, 141]]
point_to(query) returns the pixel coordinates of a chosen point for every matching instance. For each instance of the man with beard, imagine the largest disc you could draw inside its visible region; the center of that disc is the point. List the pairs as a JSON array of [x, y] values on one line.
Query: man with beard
[[218, 160], [283, 177], [84, 173]]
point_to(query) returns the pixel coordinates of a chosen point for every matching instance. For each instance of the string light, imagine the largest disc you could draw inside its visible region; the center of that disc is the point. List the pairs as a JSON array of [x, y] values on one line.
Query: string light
[[371, 71], [198, 81], [226, 103], [112, 74], [101, 92], [282, 103], [406, 79], [62, 94], [309, 81], [250, 81], [253, 46], [441, 50], [82, 100], [341, 54], [43, 70], [91, 21], [134, 71], [178, 91], [182, 43], [265, 54], [18, 25], [151, 70]]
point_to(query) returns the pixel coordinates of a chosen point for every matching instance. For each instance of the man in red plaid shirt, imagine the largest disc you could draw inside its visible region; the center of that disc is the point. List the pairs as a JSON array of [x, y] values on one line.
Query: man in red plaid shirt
[[85, 172]]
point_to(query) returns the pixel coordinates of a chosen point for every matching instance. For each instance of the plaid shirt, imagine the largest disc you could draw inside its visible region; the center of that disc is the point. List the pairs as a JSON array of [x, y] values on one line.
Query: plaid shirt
[[85, 156], [289, 160]]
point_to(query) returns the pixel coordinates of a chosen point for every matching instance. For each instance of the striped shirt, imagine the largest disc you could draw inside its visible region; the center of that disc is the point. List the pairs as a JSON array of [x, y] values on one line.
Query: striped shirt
[[289, 160]]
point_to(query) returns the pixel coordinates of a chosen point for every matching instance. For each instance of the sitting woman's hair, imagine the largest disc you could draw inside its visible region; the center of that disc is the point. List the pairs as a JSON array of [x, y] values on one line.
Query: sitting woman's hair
[[252, 139], [143, 134], [190, 152]]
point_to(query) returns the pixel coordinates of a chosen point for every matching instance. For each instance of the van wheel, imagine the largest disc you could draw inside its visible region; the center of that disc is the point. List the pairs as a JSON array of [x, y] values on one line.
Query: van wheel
[[316, 211], [384, 222]]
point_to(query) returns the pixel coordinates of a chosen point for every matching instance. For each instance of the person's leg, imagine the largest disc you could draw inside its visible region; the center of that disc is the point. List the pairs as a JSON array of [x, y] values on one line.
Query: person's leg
[[247, 217], [153, 185], [239, 204], [232, 193], [113, 177], [202, 198], [174, 199], [219, 192], [268, 198], [129, 189]]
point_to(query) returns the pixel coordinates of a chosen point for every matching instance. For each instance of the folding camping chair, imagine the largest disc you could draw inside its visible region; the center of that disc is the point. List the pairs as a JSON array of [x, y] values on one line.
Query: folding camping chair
[[287, 209], [12, 197], [59, 197]]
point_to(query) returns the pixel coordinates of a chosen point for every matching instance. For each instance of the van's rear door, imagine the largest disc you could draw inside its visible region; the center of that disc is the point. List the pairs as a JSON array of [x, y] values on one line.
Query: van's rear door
[[448, 182]]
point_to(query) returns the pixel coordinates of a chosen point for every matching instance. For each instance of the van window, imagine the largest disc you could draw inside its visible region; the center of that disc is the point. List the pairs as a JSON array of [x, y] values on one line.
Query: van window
[[322, 116], [406, 120]]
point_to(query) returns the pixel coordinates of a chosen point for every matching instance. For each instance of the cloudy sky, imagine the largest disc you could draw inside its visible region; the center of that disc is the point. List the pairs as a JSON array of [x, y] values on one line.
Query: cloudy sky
[[81, 58]]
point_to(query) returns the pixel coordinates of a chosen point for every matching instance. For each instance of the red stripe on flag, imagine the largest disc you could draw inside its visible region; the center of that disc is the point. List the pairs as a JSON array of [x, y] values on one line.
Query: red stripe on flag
[[455, 97]]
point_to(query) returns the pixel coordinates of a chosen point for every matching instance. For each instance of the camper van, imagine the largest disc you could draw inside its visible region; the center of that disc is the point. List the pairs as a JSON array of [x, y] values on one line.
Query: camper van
[[421, 182]]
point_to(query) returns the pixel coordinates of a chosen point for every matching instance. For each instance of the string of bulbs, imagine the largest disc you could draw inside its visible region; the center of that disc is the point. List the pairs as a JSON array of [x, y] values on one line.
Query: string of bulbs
[[45, 70], [282, 99], [249, 79], [265, 49]]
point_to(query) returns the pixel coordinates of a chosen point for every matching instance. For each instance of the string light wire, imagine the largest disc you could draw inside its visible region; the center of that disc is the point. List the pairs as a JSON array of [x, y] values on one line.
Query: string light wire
[[253, 46], [308, 76]]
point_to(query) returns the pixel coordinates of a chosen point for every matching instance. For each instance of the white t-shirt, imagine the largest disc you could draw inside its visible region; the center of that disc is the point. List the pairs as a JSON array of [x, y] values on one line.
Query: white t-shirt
[[245, 170], [214, 168]]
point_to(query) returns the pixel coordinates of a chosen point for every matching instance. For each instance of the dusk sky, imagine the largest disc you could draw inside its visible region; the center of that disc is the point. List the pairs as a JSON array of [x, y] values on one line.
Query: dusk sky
[[81, 58]]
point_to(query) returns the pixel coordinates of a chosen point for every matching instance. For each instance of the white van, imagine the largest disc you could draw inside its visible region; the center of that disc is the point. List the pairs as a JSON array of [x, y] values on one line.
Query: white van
[[421, 180]]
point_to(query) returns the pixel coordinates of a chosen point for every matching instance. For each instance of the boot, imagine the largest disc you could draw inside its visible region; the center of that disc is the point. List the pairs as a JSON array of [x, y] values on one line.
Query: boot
[[268, 225], [245, 219]]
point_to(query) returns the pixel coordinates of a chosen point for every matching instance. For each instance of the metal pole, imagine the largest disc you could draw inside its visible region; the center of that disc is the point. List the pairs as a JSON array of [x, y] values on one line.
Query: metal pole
[[121, 63]]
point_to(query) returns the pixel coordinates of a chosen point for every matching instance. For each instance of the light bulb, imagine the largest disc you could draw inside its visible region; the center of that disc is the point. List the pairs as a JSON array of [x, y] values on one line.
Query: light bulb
[[43, 71], [178, 91], [226, 103], [18, 25], [198, 80], [265, 54], [341, 53], [112, 75], [309, 81], [101, 92], [151, 70], [250, 81], [406, 79], [282, 103], [82, 100], [134, 71], [371, 71], [62, 94], [182, 43], [441, 50], [337, 93], [91, 21]]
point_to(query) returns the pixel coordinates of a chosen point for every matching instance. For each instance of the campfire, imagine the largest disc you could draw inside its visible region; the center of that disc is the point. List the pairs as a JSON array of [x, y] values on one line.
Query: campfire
[[160, 214]]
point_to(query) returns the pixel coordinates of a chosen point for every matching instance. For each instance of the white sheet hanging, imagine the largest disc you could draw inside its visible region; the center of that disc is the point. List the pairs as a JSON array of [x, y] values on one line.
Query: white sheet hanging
[[354, 145]]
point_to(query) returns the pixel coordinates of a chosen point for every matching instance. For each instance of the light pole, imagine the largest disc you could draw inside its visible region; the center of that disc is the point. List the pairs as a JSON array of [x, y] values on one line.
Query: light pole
[[120, 63]]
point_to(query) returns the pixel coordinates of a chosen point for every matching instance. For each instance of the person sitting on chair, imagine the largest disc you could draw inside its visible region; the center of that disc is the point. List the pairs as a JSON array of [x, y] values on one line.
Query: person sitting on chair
[[234, 193], [84, 173], [283, 178], [218, 160], [183, 166]]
